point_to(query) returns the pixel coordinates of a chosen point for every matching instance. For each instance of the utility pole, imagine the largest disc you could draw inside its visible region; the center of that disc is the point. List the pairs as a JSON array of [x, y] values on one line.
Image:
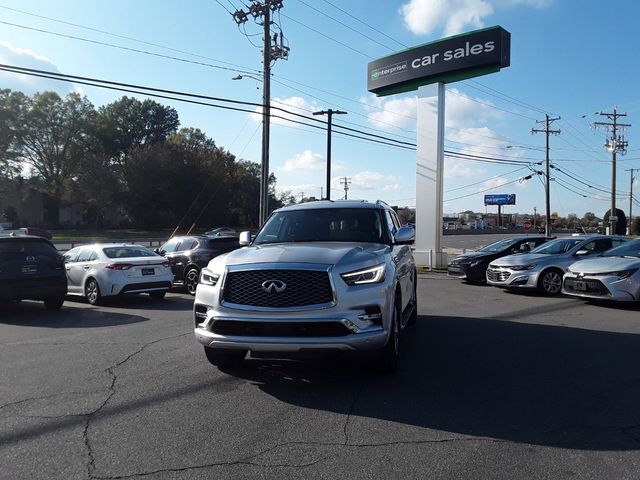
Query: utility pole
[[547, 130], [631, 170], [330, 113], [614, 144], [346, 182], [274, 48], [301, 196], [321, 193], [535, 228]]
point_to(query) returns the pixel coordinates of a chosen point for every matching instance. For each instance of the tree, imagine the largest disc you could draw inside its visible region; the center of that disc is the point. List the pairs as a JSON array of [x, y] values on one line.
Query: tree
[[51, 134], [128, 123], [621, 224]]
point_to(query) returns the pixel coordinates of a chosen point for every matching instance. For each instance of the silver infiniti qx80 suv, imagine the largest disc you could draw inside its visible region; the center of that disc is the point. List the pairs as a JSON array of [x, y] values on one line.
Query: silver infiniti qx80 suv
[[321, 276]]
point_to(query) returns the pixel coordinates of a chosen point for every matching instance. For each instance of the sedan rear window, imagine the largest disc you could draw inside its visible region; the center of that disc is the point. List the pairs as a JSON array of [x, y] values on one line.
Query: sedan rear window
[[128, 252]]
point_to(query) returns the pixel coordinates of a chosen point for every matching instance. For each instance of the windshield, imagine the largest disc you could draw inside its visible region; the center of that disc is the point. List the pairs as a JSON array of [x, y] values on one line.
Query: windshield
[[555, 247], [128, 252], [500, 245], [629, 249], [323, 225]]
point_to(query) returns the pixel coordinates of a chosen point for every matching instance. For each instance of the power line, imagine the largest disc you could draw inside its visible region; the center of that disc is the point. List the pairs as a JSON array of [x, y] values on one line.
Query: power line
[[517, 180]]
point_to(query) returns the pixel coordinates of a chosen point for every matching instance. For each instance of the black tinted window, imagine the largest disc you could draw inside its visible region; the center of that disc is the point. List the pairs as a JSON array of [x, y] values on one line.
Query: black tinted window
[[323, 225], [29, 247]]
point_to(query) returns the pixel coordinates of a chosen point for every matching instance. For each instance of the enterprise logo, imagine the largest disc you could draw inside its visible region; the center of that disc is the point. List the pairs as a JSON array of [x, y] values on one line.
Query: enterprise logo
[[389, 70]]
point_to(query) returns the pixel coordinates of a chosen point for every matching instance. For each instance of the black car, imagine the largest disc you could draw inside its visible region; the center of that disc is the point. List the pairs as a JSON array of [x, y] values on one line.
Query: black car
[[472, 266], [187, 255], [31, 269]]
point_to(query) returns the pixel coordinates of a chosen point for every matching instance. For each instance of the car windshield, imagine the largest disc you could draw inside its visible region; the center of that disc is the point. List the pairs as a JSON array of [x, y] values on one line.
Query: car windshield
[[128, 252], [629, 249], [500, 245], [555, 247], [323, 225]]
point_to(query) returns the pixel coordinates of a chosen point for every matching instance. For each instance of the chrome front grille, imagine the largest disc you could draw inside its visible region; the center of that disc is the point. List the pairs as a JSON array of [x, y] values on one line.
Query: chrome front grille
[[496, 275], [303, 288]]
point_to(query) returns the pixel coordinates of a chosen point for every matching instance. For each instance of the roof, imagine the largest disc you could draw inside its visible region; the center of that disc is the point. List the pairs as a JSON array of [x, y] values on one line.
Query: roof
[[321, 204]]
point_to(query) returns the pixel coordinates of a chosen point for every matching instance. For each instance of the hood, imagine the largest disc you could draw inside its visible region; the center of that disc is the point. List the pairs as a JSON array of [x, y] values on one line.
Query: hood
[[323, 253], [524, 259], [605, 264], [470, 256]]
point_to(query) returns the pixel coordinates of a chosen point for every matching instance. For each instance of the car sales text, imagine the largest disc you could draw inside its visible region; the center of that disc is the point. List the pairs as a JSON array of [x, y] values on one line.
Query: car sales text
[[468, 50]]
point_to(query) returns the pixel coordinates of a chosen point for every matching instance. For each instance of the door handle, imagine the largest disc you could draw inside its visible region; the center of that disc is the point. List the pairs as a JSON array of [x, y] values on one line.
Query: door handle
[[86, 267], [67, 268]]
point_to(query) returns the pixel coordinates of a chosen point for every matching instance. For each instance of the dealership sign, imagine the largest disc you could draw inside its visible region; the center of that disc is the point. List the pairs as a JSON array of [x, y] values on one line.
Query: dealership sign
[[448, 60], [500, 199]]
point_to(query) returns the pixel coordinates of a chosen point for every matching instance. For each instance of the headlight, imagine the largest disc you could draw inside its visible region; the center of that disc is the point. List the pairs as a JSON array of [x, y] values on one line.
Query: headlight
[[207, 277], [361, 277], [522, 267], [622, 273]]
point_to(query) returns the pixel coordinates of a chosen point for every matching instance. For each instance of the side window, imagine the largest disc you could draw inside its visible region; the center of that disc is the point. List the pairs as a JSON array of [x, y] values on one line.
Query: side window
[[396, 220], [616, 242], [390, 225], [71, 256], [93, 256], [599, 245], [188, 244], [527, 246], [85, 255], [170, 246]]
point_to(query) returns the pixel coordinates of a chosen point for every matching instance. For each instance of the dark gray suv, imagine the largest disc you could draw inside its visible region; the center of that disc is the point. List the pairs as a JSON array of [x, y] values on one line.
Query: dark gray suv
[[322, 276]]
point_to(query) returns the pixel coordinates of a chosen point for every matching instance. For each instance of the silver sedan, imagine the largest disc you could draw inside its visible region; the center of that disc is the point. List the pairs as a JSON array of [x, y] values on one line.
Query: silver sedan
[[101, 270]]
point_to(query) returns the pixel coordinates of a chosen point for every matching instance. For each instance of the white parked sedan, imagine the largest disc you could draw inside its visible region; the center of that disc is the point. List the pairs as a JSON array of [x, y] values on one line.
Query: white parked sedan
[[101, 270], [615, 275]]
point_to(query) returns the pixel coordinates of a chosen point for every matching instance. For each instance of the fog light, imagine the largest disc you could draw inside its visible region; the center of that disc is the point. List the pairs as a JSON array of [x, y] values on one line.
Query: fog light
[[350, 325]]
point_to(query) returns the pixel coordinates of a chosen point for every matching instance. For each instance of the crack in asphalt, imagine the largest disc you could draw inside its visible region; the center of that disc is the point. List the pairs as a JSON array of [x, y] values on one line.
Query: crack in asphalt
[[112, 390], [351, 408]]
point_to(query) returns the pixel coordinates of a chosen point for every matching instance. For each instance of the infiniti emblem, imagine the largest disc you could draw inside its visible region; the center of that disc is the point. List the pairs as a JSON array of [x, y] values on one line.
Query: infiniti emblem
[[271, 286], [30, 258]]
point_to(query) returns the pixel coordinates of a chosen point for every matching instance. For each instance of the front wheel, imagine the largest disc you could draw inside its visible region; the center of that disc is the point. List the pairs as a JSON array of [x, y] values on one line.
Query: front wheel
[[550, 282], [390, 353], [191, 280], [224, 358], [92, 292]]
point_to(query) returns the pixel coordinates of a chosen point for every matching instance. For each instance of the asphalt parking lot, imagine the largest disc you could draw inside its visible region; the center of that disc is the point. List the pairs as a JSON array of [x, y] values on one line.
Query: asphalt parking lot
[[492, 385]]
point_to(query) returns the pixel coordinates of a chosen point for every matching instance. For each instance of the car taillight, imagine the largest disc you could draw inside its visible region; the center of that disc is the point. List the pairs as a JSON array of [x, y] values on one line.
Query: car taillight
[[119, 266]]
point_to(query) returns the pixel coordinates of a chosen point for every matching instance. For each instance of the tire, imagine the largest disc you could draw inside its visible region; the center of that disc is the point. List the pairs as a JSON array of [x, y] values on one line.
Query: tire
[[158, 294], [413, 318], [191, 279], [54, 303], [92, 292], [224, 358], [389, 360], [550, 282]]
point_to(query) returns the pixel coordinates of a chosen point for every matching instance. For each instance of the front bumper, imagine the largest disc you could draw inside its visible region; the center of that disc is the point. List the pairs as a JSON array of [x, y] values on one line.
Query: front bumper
[[609, 287], [505, 277]]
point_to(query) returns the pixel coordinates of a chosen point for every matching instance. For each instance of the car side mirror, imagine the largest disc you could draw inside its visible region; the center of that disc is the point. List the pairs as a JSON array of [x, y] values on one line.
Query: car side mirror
[[245, 239], [583, 252], [405, 236]]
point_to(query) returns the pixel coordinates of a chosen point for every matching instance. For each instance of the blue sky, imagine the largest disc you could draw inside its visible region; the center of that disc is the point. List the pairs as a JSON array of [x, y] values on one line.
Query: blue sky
[[569, 57]]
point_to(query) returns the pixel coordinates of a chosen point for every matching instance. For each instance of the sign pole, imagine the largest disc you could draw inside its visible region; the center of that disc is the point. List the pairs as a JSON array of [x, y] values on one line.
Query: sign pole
[[429, 170]]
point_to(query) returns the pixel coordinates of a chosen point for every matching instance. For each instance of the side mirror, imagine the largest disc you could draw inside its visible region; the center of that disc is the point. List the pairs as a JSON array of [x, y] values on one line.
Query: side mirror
[[405, 236], [245, 238], [157, 250], [583, 252]]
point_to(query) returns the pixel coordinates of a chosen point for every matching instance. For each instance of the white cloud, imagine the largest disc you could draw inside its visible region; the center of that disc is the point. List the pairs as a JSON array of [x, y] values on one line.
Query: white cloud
[[365, 180], [297, 105], [305, 161], [424, 17], [458, 168], [392, 187], [461, 110], [24, 57]]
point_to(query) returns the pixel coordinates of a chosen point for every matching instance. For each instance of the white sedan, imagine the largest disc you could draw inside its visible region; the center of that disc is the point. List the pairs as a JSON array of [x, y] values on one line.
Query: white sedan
[[107, 269]]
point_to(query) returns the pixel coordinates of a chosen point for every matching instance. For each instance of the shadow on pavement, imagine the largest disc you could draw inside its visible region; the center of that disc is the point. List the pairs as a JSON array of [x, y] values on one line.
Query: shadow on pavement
[[140, 301], [535, 384], [33, 314]]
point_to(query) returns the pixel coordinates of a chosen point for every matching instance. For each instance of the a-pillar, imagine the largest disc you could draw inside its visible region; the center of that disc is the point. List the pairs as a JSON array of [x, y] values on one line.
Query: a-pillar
[[429, 173]]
